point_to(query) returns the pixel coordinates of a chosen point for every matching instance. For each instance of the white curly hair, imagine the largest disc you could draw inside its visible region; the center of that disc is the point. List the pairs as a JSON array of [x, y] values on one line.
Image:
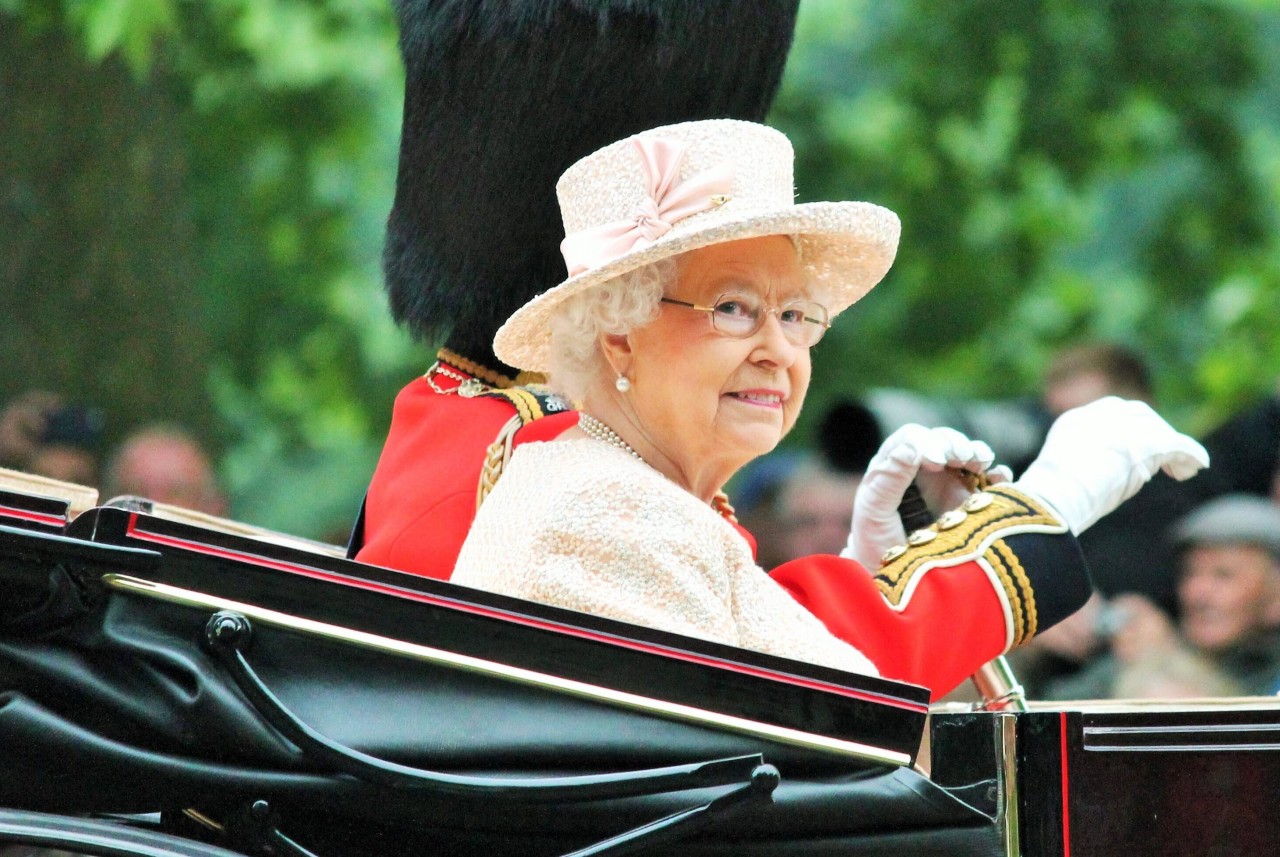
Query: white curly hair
[[618, 306]]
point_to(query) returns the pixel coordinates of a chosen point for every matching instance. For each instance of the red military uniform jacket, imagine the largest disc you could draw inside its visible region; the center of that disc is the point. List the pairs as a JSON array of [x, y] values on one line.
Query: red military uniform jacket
[[422, 497], [972, 587], [931, 617]]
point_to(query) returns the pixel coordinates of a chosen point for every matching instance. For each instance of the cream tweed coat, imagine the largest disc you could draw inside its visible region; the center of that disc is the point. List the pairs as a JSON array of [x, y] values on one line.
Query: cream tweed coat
[[585, 525]]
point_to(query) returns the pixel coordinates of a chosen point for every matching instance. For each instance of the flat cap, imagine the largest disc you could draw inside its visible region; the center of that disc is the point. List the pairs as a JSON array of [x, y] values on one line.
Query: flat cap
[[1231, 519]]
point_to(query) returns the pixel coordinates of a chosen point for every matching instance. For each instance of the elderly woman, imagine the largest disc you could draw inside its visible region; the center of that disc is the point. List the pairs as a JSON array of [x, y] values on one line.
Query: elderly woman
[[696, 291]]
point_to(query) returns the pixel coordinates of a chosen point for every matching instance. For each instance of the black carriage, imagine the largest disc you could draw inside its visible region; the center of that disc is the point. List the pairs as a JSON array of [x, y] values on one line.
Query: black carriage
[[169, 685]]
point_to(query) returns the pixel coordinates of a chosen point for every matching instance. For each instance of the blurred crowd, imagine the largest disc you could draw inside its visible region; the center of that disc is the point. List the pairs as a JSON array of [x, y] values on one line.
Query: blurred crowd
[[1186, 574], [45, 434]]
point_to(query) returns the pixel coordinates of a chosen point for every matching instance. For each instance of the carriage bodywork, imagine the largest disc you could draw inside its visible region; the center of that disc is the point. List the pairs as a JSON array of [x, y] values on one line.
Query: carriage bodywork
[[209, 689]]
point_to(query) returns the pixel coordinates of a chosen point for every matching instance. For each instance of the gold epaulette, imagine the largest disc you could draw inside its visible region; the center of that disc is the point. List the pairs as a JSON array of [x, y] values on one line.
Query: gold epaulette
[[975, 531]]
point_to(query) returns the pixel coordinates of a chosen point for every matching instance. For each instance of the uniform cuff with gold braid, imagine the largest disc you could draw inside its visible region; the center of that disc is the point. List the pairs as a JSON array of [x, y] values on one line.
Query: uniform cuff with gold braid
[[1031, 557]]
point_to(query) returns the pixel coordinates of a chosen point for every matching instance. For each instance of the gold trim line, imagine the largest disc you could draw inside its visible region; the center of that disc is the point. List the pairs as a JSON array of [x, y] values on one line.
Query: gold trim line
[[519, 675]]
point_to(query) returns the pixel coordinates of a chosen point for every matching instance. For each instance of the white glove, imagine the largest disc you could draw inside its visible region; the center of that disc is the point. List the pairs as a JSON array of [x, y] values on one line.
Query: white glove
[[1098, 455], [913, 452]]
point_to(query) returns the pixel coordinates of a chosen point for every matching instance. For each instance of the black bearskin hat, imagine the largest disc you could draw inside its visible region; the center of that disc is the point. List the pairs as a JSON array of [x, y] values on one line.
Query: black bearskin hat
[[502, 97]]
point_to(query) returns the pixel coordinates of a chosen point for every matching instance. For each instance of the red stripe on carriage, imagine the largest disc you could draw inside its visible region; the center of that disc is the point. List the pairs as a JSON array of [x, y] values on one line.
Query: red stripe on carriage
[[38, 517], [529, 621], [1066, 816]]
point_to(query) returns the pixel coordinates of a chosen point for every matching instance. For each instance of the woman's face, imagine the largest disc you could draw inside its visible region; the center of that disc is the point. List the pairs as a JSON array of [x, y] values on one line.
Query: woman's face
[[706, 399]]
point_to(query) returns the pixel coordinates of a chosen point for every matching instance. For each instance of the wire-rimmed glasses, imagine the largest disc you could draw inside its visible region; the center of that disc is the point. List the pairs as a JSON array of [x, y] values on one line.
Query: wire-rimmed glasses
[[740, 315]]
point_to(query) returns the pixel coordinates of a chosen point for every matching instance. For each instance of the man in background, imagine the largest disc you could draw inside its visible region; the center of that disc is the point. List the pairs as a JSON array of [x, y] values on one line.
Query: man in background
[[1085, 373], [1124, 550], [800, 503], [1126, 553], [815, 506], [42, 433], [1227, 639], [165, 464]]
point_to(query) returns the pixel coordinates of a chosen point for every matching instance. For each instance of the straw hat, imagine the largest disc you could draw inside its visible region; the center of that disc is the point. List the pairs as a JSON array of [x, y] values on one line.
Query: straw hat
[[681, 187]]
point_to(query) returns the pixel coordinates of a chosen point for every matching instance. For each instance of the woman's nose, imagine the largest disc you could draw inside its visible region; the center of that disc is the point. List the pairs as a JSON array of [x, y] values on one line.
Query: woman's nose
[[774, 344]]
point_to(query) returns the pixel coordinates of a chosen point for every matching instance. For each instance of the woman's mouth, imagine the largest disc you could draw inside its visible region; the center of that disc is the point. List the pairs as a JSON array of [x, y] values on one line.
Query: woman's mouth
[[759, 398]]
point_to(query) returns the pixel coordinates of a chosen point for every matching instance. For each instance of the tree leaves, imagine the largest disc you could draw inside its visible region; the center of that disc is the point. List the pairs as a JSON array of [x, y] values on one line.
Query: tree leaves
[[212, 182], [1062, 170], [131, 28]]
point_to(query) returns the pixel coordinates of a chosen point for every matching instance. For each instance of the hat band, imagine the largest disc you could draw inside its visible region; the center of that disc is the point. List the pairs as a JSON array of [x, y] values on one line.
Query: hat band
[[669, 201]]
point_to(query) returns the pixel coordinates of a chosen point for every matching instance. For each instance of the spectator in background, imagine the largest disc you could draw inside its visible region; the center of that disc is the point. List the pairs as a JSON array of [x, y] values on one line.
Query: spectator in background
[[801, 503], [21, 424], [756, 492], [1085, 373], [1230, 587], [1124, 550], [165, 464], [814, 509], [849, 436], [70, 445], [40, 433], [816, 502], [1227, 641]]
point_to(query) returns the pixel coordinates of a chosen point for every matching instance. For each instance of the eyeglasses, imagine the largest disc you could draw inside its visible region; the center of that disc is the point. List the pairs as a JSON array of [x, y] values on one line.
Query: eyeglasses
[[741, 315]]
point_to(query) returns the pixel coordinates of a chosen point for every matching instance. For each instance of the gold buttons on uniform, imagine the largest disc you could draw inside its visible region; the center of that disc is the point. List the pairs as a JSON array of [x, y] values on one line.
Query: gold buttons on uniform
[[978, 502], [921, 537], [947, 521], [893, 553]]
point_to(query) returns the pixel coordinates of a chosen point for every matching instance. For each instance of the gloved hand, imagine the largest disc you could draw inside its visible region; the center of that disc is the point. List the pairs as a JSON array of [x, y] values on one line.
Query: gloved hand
[[1098, 455], [932, 458]]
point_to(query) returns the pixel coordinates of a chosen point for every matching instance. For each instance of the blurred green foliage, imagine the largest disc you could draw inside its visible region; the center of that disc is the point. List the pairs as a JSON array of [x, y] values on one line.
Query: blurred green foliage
[[1063, 170], [194, 194], [280, 142]]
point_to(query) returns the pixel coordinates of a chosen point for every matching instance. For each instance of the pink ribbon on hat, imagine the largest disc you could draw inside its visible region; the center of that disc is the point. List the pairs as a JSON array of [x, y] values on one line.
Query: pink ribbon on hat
[[668, 202]]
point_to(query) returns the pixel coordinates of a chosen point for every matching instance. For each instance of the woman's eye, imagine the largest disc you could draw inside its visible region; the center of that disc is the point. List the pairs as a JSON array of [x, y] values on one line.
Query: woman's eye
[[733, 309], [791, 315]]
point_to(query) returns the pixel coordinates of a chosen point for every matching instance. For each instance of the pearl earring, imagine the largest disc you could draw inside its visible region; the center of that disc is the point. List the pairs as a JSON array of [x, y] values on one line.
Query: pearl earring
[[623, 383]]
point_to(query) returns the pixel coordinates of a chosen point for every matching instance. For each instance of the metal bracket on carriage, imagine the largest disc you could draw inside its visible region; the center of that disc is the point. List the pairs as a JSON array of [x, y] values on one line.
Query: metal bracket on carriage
[[229, 634], [255, 829]]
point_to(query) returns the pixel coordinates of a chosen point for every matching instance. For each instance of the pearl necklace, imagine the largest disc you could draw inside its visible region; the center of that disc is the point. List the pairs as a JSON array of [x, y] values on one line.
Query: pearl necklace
[[592, 427], [597, 430]]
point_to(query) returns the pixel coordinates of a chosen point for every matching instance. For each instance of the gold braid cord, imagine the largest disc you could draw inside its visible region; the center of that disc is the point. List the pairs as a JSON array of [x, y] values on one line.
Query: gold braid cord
[[474, 369], [528, 407], [484, 373], [978, 535], [497, 457]]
